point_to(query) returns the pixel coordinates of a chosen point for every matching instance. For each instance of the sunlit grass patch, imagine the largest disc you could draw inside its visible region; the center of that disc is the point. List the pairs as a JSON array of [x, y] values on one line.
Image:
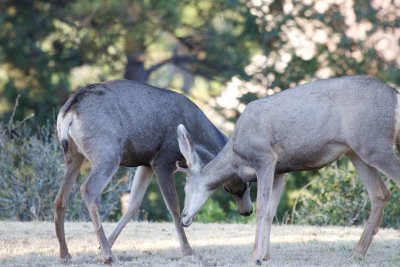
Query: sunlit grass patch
[[156, 244]]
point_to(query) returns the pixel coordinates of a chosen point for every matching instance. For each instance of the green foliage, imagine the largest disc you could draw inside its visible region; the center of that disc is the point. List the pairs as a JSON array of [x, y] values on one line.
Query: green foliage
[[36, 56], [234, 216], [336, 196], [299, 41], [31, 169], [391, 216], [211, 212], [44, 45]]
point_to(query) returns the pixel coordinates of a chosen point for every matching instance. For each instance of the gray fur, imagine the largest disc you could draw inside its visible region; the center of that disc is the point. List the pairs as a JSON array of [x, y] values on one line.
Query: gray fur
[[306, 128], [130, 124], [105, 109]]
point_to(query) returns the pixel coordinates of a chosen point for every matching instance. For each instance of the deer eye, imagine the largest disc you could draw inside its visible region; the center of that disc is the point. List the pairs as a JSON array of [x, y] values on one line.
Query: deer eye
[[227, 189]]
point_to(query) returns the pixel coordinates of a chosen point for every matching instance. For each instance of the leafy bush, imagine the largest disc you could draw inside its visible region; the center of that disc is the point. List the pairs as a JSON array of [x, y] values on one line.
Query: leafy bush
[[391, 216], [235, 217], [31, 170], [336, 196], [211, 212]]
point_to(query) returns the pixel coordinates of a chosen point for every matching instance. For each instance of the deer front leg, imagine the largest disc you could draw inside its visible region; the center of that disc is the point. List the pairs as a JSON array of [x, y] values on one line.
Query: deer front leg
[[166, 182], [139, 186], [277, 189], [265, 179]]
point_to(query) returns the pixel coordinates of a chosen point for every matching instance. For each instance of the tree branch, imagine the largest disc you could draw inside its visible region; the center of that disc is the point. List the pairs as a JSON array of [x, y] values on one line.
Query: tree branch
[[88, 19], [176, 60]]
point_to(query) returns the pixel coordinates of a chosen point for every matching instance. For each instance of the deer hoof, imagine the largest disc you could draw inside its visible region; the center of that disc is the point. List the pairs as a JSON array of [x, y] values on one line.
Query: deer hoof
[[258, 262], [108, 260], [357, 255], [188, 251], [65, 256]]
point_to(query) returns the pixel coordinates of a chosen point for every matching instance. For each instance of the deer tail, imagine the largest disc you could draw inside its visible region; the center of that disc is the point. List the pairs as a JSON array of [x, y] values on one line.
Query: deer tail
[[64, 121]]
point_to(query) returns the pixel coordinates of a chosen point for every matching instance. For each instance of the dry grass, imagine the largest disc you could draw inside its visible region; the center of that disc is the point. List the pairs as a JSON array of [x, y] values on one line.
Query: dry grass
[[155, 244]]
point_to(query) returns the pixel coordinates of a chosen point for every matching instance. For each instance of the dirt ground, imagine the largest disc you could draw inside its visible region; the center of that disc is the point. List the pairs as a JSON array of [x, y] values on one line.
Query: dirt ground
[[156, 244]]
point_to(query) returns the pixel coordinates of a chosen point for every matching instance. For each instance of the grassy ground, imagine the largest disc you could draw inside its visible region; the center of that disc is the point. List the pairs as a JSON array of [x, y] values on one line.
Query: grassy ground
[[155, 244]]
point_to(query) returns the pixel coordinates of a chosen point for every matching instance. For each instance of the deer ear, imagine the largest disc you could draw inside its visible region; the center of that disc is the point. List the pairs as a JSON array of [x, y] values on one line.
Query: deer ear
[[181, 169], [185, 145]]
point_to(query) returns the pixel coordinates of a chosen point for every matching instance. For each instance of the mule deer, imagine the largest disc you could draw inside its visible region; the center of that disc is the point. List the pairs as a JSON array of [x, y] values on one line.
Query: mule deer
[[305, 128], [126, 123]]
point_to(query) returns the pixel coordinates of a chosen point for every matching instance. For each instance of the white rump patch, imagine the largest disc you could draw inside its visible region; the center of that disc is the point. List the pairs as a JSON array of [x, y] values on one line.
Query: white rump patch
[[63, 124], [76, 133]]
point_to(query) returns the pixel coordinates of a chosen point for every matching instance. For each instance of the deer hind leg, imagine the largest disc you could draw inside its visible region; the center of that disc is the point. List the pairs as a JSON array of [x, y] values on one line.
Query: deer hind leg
[[384, 159], [101, 173], [166, 182], [378, 195], [73, 161], [139, 186]]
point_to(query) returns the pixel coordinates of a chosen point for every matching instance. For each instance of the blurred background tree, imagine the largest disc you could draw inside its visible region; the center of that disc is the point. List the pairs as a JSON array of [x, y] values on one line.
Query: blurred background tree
[[48, 48], [222, 54]]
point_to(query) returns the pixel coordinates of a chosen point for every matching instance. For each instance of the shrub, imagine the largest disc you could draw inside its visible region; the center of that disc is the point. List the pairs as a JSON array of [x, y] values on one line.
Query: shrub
[[336, 196], [214, 212], [211, 212], [31, 170]]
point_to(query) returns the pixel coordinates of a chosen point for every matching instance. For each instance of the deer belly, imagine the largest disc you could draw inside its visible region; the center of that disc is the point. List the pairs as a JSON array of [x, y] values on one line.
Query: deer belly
[[310, 158], [134, 156]]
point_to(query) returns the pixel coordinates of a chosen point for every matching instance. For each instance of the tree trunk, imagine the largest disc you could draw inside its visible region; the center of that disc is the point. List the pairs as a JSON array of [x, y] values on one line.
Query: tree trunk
[[135, 69]]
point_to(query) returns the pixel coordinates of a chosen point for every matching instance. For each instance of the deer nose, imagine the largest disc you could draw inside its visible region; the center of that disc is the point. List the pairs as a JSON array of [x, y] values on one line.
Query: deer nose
[[247, 213], [185, 221], [183, 215]]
